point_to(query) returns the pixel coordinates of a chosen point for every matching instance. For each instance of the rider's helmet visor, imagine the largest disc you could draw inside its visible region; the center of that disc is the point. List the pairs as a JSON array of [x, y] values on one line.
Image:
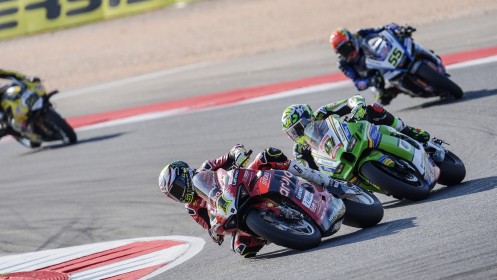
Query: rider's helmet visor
[[346, 49], [296, 131], [179, 188]]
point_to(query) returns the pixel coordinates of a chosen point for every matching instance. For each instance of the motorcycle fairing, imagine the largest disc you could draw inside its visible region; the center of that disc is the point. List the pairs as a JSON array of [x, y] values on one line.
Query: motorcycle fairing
[[320, 205]]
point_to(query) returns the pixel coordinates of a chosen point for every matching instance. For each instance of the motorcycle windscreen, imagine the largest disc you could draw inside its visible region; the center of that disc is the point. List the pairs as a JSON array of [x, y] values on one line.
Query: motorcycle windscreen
[[206, 185], [315, 132], [379, 47]]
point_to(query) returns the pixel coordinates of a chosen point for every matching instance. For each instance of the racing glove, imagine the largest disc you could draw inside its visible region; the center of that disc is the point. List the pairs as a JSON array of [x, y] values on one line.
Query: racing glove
[[217, 238], [406, 30], [240, 155], [358, 113], [361, 83], [32, 79], [357, 103]]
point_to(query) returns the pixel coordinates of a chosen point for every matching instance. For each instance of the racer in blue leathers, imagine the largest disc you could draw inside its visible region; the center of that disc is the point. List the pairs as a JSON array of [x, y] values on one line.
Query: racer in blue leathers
[[352, 60]]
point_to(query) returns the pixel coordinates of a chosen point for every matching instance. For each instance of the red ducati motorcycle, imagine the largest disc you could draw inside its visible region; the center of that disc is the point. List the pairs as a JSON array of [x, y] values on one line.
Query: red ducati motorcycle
[[281, 208]]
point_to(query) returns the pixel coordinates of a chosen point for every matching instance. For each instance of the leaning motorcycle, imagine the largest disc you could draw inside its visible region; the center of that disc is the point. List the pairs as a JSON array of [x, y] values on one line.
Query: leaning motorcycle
[[38, 112], [381, 159], [278, 207], [407, 65]]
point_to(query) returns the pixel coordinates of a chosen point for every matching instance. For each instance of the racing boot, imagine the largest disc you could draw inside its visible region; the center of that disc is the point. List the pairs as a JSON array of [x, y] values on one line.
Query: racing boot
[[386, 95], [384, 98], [378, 115], [25, 130], [415, 133], [246, 245]]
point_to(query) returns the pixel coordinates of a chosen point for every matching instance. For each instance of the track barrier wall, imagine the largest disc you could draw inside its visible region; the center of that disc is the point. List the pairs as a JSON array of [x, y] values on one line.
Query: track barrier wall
[[23, 17]]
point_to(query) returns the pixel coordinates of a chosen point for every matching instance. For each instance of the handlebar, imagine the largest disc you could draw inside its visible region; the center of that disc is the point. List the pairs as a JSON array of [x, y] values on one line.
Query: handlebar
[[52, 93]]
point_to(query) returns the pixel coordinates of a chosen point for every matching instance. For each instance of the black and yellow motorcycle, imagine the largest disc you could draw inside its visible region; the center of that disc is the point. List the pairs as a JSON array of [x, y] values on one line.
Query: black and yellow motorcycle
[[32, 108]]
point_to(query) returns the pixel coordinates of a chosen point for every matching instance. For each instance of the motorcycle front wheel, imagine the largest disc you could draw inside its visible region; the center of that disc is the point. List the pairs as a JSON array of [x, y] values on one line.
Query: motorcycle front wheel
[[294, 234], [57, 124], [452, 170], [362, 211], [399, 185]]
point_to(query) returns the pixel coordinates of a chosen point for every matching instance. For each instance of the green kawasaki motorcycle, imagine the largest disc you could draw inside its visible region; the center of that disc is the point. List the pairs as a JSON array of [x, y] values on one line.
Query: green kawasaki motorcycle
[[381, 159]]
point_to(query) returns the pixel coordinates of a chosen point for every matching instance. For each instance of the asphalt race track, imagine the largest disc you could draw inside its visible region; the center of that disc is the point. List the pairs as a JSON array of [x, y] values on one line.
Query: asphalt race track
[[105, 187]]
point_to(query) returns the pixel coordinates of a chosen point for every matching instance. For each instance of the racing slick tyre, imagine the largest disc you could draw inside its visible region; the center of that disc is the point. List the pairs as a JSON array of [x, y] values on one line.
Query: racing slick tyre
[[398, 184], [363, 211], [452, 170], [300, 235], [60, 126]]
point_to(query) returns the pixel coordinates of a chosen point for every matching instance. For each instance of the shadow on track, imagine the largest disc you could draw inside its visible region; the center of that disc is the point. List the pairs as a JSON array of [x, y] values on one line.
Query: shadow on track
[[379, 230], [464, 188], [80, 142], [468, 96]]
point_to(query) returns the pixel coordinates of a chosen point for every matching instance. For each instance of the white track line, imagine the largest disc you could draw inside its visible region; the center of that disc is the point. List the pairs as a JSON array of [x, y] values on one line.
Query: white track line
[[283, 94]]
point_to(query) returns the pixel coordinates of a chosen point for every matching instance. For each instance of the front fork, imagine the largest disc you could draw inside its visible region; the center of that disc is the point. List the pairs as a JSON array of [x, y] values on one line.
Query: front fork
[[435, 150]]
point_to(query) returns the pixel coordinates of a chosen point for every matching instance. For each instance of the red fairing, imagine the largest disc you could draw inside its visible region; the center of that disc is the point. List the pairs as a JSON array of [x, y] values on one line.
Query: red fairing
[[316, 202]]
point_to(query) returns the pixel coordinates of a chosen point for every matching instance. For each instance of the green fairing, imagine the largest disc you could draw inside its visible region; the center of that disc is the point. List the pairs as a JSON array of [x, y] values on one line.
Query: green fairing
[[374, 143]]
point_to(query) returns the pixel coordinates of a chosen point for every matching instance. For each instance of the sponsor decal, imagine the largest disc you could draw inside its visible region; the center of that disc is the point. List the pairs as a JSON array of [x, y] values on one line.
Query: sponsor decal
[[327, 168], [346, 130], [328, 162], [335, 208], [361, 128], [386, 161], [223, 203], [235, 177], [296, 167], [328, 146], [339, 131], [335, 150], [307, 199], [285, 184], [314, 206], [323, 215], [28, 16], [324, 141], [265, 178], [404, 145], [374, 136], [300, 191]]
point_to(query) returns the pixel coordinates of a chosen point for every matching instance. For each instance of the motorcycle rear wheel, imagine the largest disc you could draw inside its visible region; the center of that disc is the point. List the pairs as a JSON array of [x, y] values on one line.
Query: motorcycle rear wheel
[[273, 228], [387, 179], [364, 211], [452, 170], [439, 81]]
